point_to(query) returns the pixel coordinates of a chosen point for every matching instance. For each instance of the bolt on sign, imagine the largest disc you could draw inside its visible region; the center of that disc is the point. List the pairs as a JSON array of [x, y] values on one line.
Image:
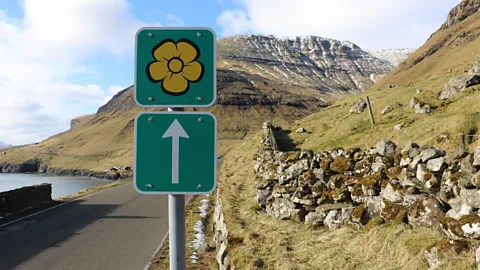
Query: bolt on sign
[[175, 67], [175, 153]]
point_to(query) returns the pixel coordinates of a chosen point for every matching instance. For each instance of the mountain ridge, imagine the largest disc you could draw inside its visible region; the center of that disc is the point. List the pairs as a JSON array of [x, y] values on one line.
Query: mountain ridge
[[258, 78]]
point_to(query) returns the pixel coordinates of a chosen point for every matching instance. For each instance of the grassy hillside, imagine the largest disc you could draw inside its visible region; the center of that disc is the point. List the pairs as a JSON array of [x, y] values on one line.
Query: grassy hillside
[[448, 53]]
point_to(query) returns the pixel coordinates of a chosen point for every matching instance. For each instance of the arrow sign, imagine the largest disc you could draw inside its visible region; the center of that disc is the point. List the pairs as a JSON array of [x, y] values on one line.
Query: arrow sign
[[175, 131]]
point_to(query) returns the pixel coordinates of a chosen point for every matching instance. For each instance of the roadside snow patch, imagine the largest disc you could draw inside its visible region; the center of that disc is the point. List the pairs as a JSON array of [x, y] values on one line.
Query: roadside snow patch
[[199, 240]]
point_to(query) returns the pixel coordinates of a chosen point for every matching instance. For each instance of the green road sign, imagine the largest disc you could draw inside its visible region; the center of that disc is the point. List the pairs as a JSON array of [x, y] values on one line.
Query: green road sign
[[175, 67], [175, 153]]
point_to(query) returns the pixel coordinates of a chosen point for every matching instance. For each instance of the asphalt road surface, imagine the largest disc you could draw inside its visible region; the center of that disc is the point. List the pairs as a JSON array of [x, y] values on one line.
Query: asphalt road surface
[[115, 229]]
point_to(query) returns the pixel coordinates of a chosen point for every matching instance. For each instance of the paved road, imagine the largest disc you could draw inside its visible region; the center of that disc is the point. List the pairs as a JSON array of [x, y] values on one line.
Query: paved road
[[116, 229]]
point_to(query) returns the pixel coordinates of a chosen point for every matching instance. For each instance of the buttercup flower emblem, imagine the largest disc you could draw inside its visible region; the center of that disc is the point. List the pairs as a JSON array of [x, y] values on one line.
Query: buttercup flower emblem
[[175, 66]]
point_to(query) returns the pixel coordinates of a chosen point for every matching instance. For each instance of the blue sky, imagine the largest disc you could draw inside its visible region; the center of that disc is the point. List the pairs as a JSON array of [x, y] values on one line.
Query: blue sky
[[62, 59]]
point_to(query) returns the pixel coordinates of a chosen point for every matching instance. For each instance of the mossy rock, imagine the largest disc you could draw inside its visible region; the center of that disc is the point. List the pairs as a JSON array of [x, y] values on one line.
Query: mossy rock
[[394, 172], [374, 222], [394, 212], [397, 158], [341, 165], [455, 226], [337, 181], [454, 177], [352, 180], [319, 187], [325, 163], [357, 190], [372, 181], [336, 195], [309, 177], [358, 214]]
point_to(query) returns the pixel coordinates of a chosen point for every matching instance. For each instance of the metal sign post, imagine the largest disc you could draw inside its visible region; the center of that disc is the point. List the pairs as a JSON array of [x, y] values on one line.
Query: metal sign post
[[175, 151], [176, 224]]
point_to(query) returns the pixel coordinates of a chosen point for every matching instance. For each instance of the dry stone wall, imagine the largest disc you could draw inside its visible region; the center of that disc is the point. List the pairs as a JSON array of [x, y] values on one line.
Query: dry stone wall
[[21, 199], [417, 185], [221, 234]]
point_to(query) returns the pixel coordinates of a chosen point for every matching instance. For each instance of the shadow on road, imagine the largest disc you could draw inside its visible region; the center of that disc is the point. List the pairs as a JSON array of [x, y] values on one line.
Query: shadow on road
[[27, 238]]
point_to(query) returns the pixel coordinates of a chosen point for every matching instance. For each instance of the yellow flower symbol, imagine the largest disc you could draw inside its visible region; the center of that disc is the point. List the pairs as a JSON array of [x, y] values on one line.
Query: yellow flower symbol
[[175, 66]]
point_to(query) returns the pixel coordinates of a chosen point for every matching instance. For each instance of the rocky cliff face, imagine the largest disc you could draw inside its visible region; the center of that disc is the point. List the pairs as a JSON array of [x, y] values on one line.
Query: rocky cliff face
[[80, 120], [301, 72], [327, 65], [462, 11], [393, 56]]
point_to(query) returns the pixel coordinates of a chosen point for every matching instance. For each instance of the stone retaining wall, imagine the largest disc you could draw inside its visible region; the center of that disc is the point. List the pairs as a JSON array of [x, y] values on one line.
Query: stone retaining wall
[[15, 201], [221, 234], [420, 186]]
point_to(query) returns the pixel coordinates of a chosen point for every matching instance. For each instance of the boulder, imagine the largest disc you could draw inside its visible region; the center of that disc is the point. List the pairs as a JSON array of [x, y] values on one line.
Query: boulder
[[358, 107], [408, 147], [458, 84], [426, 108], [315, 218], [263, 196], [301, 130], [391, 194], [347, 214], [414, 102], [341, 165], [405, 161], [425, 212], [431, 153], [320, 174], [393, 212], [378, 166], [467, 227], [295, 170], [464, 203], [475, 69], [386, 148], [399, 126], [437, 164], [387, 109], [358, 214], [333, 220], [318, 188], [476, 157], [374, 205], [282, 208]]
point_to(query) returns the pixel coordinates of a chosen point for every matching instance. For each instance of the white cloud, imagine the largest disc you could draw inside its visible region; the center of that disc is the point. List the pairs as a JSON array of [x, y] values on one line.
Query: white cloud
[[372, 24], [175, 21], [233, 22], [44, 51]]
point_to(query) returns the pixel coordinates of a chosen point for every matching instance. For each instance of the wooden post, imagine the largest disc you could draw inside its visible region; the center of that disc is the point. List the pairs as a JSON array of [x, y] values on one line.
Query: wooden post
[[370, 111], [462, 143]]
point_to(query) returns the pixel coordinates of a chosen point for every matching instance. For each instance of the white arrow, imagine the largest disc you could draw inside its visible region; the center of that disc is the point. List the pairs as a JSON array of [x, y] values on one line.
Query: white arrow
[[175, 131]]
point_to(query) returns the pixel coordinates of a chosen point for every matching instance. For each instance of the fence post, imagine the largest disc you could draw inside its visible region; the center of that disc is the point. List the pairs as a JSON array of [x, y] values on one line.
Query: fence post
[[370, 111]]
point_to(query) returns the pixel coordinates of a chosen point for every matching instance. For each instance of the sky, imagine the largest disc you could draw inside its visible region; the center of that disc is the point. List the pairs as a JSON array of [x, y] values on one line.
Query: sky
[[60, 59]]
